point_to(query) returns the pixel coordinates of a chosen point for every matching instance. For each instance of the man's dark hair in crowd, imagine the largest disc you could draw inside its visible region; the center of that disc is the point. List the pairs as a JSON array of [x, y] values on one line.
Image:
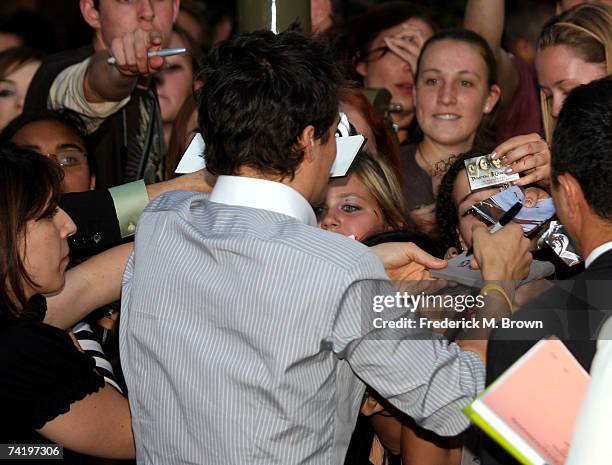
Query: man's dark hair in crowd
[[582, 144], [262, 132]]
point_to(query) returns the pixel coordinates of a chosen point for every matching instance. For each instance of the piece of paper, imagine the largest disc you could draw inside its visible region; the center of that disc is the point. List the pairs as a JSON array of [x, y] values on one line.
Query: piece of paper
[[459, 270], [193, 158], [533, 407], [347, 148], [484, 172], [493, 208]]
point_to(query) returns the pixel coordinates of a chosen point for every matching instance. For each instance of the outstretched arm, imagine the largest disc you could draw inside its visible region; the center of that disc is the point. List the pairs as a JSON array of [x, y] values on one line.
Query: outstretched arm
[[90, 285], [486, 17]]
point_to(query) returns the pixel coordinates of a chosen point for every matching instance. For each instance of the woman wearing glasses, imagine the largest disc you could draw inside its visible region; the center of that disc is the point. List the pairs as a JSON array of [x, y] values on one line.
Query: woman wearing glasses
[[59, 135]]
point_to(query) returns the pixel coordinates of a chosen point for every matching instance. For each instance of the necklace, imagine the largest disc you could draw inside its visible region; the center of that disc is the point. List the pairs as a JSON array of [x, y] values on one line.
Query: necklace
[[439, 167]]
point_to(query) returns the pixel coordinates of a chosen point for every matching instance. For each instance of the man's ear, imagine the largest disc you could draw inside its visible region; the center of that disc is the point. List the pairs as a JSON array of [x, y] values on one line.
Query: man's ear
[[572, 194], [306, 142], [90, 14]]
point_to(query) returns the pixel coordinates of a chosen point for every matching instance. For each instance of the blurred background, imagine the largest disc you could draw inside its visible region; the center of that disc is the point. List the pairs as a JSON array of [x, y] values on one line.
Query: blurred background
[[57, 24]]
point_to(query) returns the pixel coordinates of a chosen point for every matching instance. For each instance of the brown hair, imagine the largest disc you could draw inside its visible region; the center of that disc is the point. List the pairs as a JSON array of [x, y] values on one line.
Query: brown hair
[[30, 187], [587, 30], [14, 58], [177, 144], [386, 144], [382, 183]]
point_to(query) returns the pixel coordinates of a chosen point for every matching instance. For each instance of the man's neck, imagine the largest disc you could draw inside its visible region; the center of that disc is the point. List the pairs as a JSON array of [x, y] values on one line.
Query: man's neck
[[594, 233], [248, 172], [97, 43]]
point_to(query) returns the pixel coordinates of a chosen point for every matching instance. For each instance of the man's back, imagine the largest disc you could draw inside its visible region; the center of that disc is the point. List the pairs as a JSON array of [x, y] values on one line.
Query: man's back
[[228, 336]]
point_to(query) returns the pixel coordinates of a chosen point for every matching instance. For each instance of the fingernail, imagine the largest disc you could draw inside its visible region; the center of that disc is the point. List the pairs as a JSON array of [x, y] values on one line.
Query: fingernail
[[508, 171], [493, 155]]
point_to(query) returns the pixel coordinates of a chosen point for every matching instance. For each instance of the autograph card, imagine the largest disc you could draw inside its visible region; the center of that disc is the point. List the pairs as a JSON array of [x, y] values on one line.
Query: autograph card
[[484, 172]]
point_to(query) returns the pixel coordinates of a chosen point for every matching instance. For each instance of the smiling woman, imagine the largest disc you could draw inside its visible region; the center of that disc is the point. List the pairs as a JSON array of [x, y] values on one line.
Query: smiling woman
[[455, 90]]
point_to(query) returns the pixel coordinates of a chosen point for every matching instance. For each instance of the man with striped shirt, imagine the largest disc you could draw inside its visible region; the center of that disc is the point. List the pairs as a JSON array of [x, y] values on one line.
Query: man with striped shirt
[[246, 332]]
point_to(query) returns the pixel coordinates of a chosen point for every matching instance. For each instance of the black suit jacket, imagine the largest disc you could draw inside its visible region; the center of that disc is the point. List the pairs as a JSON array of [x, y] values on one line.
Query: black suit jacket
[[95, 217], [573, 311]]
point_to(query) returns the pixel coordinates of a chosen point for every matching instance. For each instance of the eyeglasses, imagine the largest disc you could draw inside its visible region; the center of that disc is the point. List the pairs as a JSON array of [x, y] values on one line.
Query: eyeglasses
[[376, 53], [69, 158]]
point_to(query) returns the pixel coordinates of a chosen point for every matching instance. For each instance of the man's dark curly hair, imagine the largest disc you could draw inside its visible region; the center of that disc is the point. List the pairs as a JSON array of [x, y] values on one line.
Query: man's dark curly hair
[[261, 91], [447, 217], [582, 143]]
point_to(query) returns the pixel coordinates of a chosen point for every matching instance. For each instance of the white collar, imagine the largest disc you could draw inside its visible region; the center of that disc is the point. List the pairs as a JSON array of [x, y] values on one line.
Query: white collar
[[264, 195], [597, 252]]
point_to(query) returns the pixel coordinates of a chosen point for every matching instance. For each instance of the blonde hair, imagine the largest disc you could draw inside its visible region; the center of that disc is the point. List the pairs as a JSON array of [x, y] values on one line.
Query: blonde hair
[[587, 30], [383, 184]]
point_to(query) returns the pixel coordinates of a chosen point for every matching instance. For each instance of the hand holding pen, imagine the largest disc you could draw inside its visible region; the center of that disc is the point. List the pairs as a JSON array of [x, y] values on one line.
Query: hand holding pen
[[138, 53], [503, 221]]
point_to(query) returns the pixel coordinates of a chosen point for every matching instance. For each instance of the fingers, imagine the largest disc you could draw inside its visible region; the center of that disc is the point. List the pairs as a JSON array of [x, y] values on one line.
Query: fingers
[[404, 49], [131, 53], [514, 142], [533, 195], [421, 257]]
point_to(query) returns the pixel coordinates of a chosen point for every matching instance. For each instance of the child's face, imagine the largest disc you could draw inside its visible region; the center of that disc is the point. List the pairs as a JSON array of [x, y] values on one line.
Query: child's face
[[349, 209]]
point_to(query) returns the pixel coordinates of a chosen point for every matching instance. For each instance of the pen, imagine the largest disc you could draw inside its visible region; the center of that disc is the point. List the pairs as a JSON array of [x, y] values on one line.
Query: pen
[[164, 52], [503, 221]]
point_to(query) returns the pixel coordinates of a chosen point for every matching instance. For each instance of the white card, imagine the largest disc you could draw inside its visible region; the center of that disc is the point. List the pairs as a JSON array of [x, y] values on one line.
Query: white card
[[193, 158]]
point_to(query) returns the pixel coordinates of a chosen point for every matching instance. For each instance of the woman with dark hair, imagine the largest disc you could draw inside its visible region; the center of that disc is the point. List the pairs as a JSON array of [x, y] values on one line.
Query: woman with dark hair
[[50, 391], [456, 89], [61, 135], [17, 68], [380, 48]]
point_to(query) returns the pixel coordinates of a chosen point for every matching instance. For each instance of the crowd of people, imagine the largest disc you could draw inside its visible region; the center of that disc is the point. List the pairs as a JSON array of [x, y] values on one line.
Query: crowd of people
[[225, 316]]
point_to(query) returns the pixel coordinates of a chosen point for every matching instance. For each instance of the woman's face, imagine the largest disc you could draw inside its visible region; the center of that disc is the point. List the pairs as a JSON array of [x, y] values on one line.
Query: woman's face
[[13, 89], [54, 139], [349, 209], [464, 199], [174, 83], [560, 70], [452, 92], [391, 72], [45, 252]]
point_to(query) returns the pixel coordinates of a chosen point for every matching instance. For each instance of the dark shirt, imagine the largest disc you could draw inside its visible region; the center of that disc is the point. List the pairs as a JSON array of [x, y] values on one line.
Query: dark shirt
[[418, 189], [43, 373]]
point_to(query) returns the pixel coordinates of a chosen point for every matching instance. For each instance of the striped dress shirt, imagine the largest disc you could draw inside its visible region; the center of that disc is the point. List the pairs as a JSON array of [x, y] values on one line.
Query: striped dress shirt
[[246, 335]]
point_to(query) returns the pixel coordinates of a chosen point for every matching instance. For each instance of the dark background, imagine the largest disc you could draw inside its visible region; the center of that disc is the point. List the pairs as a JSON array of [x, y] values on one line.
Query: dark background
[[66, 29]]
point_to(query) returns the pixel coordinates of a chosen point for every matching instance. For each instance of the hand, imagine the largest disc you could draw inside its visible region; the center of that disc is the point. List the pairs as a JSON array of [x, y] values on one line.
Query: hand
[[404, 261], [407, 45], [198, 181], [504, 255], [528, 154], [131, 50], [533, 195]]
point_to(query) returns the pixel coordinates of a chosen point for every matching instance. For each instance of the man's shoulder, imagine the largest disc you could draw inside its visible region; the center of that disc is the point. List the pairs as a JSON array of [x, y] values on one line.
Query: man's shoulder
[[268, 228]]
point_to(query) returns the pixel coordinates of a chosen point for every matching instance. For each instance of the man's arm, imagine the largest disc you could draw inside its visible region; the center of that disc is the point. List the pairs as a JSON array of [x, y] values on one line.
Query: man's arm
[[104, 82], [486, 17], [105, 217]]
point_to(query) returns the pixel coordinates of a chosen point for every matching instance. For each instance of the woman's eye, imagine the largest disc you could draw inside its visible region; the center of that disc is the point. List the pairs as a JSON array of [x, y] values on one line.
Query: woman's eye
[[431, 82], [4, 93], [350, 208], [466, 84]]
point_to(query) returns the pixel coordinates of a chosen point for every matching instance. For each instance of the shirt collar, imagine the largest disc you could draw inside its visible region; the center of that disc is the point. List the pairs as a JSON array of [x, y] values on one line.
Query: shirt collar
[[264, 195], [597, 252]]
